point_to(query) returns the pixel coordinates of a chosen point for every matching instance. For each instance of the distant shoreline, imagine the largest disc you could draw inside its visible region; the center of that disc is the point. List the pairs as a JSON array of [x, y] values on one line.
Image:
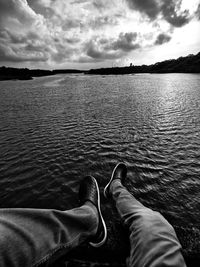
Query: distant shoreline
[[188, 64], [28, 74]]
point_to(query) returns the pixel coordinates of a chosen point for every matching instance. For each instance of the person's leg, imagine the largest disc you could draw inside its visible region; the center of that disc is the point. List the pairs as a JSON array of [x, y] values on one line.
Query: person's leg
[[153, 241], [30, 237]]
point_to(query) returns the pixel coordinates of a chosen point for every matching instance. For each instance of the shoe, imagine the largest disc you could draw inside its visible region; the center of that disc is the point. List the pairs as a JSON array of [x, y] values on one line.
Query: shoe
[[119, 172], [89, 191]]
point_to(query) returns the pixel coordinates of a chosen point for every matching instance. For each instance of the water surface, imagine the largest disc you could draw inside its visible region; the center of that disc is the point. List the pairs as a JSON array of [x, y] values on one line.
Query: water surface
[[54, 130]]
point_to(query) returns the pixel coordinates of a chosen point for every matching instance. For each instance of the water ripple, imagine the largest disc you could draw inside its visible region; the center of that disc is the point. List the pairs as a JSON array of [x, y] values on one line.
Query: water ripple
[[56, 130]]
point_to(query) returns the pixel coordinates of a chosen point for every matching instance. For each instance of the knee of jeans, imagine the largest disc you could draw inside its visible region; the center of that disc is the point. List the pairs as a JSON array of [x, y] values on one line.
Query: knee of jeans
[[162, 221], [149, 221]]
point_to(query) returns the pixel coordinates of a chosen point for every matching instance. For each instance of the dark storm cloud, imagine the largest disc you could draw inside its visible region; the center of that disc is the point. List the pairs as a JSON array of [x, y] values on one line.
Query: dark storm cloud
[[9, 7], [168, 9], [16, 38], [126, 42], [94, 51], [39, 8], [112, 48], [47, 12], [35, 48], [18, 47], [12, 55], [16, 9], [162, 38], [148, 7]]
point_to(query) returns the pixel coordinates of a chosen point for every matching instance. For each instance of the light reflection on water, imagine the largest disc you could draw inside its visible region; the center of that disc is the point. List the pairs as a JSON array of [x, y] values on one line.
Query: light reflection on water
[[56, 129]]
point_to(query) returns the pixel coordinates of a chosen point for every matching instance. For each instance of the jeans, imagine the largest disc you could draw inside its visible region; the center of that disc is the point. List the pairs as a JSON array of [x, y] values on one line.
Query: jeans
[[30, 237], [153, 241]]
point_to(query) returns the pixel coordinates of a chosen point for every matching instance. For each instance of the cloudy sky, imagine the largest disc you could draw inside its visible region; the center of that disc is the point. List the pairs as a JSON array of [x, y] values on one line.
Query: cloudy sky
[[96, 33]]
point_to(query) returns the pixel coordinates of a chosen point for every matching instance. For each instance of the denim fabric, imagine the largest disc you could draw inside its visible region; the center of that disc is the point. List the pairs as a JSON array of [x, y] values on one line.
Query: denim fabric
[[153, 241], [29, 237]]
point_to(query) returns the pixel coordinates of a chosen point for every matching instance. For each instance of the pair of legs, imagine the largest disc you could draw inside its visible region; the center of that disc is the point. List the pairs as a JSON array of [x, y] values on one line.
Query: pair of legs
[[30, 237]]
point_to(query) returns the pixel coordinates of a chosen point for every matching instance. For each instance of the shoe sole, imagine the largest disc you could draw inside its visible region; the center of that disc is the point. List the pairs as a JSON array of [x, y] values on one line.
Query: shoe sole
[[96, 245], [111, 179]]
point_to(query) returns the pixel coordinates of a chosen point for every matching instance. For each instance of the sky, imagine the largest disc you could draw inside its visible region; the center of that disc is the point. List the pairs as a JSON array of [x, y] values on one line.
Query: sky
[[84, 34]]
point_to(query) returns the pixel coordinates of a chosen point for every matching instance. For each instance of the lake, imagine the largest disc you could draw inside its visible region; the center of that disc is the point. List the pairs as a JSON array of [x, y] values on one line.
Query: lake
[[55, 130]]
